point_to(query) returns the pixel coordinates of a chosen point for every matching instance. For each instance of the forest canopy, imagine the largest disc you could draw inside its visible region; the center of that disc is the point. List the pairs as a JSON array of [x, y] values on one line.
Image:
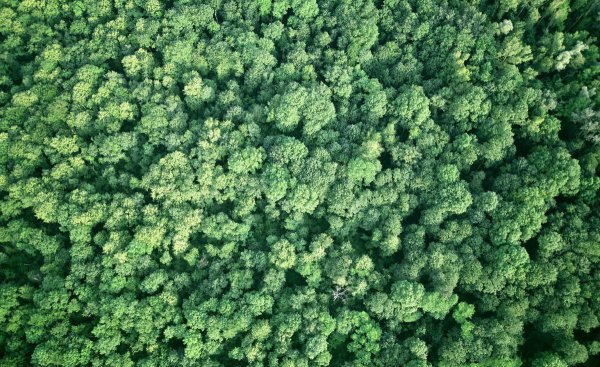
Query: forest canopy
[[295, 183]]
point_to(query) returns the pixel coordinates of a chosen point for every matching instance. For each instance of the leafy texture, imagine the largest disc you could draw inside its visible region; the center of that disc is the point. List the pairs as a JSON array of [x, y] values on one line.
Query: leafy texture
[[299, 183]]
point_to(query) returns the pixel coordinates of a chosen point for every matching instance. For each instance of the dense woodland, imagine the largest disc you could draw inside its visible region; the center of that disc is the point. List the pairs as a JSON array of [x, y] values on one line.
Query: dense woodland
[[295, 183]]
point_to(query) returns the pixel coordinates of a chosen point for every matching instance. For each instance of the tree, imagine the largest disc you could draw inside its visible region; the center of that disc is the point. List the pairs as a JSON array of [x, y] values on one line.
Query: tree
[[299, 183]]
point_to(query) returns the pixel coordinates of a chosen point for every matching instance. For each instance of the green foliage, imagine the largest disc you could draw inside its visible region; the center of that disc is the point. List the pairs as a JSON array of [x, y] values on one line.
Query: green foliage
[[299, 183]]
